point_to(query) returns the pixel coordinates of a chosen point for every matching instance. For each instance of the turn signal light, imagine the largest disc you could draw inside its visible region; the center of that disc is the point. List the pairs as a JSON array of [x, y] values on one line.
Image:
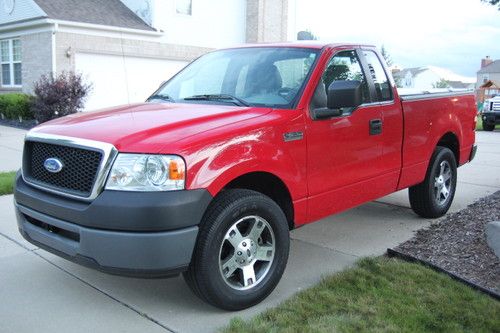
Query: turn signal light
[[175, 173]]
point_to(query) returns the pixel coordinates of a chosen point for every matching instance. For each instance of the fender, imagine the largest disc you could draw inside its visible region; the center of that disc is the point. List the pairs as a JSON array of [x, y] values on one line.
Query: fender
[[218, 165]]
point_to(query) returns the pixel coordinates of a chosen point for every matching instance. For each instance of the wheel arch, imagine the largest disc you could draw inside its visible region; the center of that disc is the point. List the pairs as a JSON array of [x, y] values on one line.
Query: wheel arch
[[270, 185], [450, 141]]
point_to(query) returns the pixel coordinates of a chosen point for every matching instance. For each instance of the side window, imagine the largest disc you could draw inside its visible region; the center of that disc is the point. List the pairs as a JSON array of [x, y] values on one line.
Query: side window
[[377, 73], [344, 66]]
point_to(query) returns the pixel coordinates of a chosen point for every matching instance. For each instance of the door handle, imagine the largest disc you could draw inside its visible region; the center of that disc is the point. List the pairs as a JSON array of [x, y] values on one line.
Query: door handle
[[375, 126]]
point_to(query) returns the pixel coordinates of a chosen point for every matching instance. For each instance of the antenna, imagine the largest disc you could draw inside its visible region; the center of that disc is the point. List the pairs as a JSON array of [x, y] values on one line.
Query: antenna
[[124, 67]]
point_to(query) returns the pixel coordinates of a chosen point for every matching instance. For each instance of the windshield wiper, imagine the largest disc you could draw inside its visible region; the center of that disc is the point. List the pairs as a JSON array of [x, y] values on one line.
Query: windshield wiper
[[163, 97], [235, 100]]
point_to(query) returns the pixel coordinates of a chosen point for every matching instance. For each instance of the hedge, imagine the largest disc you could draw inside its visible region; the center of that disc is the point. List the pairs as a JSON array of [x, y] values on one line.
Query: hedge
[[15, 106]]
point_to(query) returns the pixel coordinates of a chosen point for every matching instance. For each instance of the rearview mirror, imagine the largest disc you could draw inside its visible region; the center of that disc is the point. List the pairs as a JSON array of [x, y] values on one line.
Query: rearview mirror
[[344, 94]]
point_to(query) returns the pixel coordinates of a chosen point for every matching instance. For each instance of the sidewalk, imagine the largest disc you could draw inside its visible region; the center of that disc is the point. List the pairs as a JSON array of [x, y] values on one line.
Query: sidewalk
[[11, 148], [40, 291]]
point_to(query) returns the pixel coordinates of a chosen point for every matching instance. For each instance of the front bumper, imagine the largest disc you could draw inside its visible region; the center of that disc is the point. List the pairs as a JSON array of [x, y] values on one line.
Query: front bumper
[[135, 247], [491, 118]]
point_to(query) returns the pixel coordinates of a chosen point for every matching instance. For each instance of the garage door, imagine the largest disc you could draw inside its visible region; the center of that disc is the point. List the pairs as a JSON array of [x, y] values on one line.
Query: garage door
[[120, 80]]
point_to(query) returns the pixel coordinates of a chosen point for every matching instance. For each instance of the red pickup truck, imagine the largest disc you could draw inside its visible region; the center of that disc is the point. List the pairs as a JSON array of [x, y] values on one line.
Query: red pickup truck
[[210, 174]]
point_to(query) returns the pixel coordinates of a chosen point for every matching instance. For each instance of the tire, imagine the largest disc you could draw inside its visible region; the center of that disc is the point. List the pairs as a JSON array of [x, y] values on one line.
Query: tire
[[428, 199], [240, 229], [488, 127]]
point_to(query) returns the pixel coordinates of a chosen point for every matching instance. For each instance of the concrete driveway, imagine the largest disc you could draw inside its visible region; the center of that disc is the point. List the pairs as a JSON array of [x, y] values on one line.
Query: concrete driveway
[[41, 292]]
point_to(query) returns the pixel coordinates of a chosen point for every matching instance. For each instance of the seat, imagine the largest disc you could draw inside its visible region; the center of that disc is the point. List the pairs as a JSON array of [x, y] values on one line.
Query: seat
[[264, 80]]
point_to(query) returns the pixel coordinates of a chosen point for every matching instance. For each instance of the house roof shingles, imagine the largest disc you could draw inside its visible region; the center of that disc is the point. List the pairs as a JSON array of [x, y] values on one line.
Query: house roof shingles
[[494, 67], [103, 12]]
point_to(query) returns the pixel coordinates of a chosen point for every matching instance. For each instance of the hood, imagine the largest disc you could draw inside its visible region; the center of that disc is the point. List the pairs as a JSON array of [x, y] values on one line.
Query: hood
[[148, 127]]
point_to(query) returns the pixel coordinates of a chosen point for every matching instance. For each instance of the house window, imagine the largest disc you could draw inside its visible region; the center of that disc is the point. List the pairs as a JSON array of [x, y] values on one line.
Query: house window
[[10, 59], [184, 7]]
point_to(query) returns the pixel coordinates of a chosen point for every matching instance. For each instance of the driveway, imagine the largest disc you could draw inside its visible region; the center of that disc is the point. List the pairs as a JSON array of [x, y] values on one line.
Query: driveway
[[11, 148], [40, 291]]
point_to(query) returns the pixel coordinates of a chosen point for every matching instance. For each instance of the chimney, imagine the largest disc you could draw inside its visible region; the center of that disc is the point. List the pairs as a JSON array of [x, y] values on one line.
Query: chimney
[[486, 61]]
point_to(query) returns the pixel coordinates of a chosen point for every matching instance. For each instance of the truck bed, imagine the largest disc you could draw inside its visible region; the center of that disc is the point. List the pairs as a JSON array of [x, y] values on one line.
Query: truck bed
[[426, 117]]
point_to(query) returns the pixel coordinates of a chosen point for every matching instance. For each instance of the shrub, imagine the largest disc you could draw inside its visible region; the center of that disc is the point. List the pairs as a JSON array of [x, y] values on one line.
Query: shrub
[[59, 96], [15, 106]]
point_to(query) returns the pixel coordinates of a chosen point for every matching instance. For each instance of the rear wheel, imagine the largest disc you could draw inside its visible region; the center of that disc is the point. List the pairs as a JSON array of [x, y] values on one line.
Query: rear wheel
[[433, 197], [241, 251], [488, 127]]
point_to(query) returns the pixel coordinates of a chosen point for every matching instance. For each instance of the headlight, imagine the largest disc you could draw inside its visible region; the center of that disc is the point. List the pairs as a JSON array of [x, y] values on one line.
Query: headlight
[[140, 172]]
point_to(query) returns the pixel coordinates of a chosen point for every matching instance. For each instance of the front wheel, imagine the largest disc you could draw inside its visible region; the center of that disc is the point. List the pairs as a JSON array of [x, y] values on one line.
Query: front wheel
[[433, 197], [241, 251], [488, 127]]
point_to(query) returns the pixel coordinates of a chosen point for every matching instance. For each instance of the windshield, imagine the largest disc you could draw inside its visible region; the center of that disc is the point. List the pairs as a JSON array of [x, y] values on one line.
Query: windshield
[[267, 76]]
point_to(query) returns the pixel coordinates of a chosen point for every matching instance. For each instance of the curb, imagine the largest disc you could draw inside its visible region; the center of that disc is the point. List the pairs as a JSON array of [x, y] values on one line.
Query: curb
[[394, 253]]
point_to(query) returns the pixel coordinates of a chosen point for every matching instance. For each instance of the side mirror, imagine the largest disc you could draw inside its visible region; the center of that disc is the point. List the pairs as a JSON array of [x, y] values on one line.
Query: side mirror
[[344, 94]]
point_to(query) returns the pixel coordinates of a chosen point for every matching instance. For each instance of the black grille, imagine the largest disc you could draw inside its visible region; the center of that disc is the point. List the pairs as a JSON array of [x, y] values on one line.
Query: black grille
[[79, 170]]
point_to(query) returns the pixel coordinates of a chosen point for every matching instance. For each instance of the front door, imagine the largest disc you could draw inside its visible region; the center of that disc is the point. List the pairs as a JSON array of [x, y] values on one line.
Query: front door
[[345, 164]]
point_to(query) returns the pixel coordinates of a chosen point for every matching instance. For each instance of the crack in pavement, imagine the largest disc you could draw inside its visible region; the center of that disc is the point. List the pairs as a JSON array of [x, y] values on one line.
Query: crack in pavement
[[325, 247], [128, 306], [491, 186], [13, 149], [391, 204]]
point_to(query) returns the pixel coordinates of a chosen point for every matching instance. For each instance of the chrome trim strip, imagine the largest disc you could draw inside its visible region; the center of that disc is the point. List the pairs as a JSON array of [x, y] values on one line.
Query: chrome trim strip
[[108, 150], [414, 97]]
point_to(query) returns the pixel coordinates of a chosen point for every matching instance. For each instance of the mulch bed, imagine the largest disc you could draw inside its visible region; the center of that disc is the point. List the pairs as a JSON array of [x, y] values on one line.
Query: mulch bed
[[457, 244], [25, 124]]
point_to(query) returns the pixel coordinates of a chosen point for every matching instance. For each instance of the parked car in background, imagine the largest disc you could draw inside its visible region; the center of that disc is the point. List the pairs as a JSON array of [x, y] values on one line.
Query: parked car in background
[[490, 114], [210, 174]]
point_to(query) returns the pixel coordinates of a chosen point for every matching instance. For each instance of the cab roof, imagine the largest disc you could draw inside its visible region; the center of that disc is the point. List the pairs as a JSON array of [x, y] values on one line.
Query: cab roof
[[311, 44]]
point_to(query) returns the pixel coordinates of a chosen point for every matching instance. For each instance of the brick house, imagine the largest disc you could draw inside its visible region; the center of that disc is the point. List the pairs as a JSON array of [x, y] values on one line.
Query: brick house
[[125, 48], [488, 79]]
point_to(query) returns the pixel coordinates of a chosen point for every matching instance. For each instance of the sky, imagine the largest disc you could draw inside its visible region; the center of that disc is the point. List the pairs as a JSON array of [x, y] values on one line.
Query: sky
[[452, 34]]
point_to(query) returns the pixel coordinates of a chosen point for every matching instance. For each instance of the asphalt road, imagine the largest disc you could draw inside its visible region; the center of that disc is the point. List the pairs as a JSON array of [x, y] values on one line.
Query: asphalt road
[[42, 292]]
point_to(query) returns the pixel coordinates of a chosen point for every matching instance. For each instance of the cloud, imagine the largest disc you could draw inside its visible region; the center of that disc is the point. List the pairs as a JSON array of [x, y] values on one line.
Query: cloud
[[446, 33]]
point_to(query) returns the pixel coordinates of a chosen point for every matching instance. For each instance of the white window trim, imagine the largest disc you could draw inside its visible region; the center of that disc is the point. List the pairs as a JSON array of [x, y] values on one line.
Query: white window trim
[[11, 63]]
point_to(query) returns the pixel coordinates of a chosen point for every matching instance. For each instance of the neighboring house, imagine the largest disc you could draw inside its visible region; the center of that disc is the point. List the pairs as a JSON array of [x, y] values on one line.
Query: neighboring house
[[125, 48], [488, 79], [488, 90], [425, 78]]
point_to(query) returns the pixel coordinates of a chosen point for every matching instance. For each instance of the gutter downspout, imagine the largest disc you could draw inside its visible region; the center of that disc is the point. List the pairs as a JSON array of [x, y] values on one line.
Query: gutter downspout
[[54, 60]]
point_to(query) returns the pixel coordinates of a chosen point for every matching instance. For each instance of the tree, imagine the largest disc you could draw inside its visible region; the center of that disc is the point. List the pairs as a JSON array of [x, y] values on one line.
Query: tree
[[441, 84], [306, 35], [387, 57], [493, 2], [59, 96]]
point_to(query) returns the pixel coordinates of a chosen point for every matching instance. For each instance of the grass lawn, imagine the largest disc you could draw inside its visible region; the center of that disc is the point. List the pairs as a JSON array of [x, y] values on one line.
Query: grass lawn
[[381, 295], [7, 182]]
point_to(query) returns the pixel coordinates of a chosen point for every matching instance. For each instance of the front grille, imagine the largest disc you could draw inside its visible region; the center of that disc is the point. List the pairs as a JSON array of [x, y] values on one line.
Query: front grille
[[495, 106], [79, 172]]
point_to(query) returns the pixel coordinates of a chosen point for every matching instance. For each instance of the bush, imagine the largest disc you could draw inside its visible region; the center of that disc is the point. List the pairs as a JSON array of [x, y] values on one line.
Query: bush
[[15, 106], [59, 96]]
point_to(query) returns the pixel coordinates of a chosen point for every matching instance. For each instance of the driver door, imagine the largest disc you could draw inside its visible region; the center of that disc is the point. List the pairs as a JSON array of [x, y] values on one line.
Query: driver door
[[344, 156]]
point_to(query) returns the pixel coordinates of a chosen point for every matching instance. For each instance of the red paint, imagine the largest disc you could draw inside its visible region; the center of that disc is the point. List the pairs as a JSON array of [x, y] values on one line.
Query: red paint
[[337, 165]]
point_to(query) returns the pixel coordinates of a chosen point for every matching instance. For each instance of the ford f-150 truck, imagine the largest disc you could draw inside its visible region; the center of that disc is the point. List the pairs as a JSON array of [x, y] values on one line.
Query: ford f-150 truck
[[209, 175]]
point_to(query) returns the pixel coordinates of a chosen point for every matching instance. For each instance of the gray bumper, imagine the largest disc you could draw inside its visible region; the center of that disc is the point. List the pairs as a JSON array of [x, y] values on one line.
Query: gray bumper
[[492, 118], [126, 233], [142, 254]]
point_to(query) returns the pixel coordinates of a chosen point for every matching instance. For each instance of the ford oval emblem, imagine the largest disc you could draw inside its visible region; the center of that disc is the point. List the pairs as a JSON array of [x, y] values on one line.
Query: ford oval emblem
[[53, 165]]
